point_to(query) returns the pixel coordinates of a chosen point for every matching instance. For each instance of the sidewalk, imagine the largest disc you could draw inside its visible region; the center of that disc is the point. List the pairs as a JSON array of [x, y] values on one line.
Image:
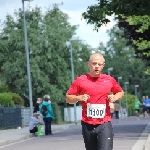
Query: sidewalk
[[15, 135]]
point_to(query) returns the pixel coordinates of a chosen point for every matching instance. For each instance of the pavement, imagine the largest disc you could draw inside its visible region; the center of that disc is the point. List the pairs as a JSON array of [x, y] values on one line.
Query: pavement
[[10, 136], [16, 135], [141, 143]]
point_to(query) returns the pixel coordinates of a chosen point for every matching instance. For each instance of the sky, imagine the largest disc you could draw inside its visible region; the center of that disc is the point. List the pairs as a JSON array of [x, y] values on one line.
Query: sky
[[74, 8]]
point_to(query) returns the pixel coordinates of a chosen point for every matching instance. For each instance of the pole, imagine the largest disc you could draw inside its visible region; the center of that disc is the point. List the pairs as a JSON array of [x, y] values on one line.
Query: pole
[[108, 72], [27, 59], [72, 75], [120, 102], [135, 91], [126, 99]]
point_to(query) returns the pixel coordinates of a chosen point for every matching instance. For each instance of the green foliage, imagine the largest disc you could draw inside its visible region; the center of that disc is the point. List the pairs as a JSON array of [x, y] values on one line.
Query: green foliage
[[143, 25], [147, 71], [142, 21], [142, 44], [49, 55], [137, 30], [122, 59], [130, 100], [133, 16], [98, 14], [6, 99], [17, 99], [3, 88], [57, 113]]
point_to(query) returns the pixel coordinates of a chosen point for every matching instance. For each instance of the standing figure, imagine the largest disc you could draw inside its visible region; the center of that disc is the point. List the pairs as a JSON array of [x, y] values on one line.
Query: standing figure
[[143, 106], [117, 107], [47, 112], [147, 106], [36, 106], [137, 105], [92, 90]]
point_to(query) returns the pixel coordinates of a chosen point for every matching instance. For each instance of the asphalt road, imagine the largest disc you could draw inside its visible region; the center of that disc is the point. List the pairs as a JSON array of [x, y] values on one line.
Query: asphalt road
[[126, 133]]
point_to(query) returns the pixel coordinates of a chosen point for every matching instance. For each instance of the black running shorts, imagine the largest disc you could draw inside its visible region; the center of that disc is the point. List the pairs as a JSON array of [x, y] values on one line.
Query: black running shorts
[[98, 137]]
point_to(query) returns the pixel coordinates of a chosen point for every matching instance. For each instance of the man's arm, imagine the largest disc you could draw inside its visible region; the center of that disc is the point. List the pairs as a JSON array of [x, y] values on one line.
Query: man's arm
[[115, 97], [71, 99]]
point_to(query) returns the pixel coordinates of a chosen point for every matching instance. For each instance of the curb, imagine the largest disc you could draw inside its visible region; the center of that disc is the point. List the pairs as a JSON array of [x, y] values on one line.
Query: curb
[[143, 142], [147, 144], [14, 141], [25, 137]]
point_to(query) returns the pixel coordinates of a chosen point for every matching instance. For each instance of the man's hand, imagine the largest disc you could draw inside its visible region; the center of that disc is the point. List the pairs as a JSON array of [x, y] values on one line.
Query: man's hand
[[84, 97], [111, 98], [111, 105]]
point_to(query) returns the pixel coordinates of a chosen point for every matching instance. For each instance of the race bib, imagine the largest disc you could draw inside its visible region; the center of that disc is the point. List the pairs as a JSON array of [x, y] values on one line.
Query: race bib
[[96, 110]]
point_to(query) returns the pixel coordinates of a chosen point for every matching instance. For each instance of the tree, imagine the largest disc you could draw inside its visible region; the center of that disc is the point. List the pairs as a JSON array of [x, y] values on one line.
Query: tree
[[130, 101], [49, 54], [98, 14], [137, 29], [121, 57], [133, 16]]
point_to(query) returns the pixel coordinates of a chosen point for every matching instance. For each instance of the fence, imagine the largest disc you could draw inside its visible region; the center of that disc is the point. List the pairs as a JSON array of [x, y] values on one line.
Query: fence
[[69, 114], [10, 117], [13, 117], [25, 113]]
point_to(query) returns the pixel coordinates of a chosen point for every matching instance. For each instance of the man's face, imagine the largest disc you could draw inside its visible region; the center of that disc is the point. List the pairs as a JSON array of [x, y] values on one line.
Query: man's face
[[96, 65]]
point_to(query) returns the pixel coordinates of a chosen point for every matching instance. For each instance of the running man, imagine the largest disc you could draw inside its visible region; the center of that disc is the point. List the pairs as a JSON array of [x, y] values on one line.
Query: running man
[[137, 105], [92, 90]]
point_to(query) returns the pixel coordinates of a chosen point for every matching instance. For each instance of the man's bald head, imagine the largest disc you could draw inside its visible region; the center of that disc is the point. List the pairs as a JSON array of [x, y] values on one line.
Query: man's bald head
[[96, 55]]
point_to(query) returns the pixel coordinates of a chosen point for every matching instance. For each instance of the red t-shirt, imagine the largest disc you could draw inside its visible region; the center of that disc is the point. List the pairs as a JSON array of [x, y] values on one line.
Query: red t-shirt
[[98, 88]]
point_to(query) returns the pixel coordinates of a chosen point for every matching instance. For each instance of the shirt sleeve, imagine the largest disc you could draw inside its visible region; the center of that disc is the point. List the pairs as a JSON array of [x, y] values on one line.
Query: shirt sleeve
[[37, 121], [74, 88], [116, 87]]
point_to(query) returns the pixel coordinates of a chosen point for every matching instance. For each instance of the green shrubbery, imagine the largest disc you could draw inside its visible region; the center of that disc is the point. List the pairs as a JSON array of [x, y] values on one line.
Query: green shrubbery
[[57, 113], [17, 99], [10, 99], [6, 99]]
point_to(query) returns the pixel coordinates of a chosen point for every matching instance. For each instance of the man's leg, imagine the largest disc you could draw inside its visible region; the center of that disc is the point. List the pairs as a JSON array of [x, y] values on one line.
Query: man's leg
[[90, 139], [105, 136]]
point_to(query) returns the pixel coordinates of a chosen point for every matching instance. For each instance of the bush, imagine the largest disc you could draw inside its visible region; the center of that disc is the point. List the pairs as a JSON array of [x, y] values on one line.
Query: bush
[[57, 113], [6, 99], [17, 99], [10, 99]]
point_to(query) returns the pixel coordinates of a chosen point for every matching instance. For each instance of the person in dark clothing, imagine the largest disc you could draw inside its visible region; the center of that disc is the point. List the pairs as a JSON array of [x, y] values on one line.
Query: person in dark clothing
[[117, 107], [36, 106]]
